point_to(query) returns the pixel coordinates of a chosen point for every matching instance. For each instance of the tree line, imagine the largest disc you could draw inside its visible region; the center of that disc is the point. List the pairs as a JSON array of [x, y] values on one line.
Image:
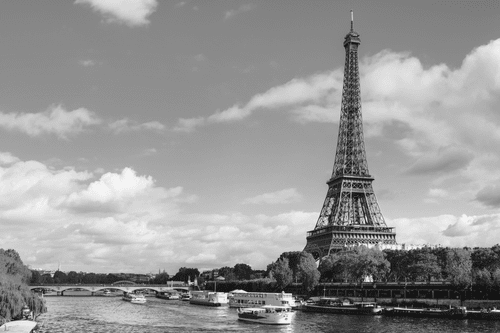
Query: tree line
[[462, 267]]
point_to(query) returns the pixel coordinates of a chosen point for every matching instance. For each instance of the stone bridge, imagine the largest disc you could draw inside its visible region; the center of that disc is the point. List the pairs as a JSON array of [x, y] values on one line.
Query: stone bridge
[[61, 288]]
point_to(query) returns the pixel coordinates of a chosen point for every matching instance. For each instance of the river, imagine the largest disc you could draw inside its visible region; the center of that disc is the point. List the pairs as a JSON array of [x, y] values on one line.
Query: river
[[111, 314]]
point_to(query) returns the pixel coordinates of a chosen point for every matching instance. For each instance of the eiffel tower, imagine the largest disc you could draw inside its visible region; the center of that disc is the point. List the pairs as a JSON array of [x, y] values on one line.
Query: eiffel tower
[[350, 214]]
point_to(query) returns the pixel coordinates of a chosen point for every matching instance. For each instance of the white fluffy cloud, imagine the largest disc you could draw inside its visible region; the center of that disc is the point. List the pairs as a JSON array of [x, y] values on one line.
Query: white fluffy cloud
[[449, 230], [130, 12], [126, 221], [56, 120]]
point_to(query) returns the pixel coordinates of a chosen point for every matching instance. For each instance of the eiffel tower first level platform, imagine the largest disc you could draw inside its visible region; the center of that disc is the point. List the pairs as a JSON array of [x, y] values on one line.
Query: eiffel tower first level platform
[[350, 214]]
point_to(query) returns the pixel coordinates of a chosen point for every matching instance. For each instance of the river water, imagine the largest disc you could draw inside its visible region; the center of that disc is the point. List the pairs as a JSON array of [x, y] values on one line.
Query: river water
[[111, 314]]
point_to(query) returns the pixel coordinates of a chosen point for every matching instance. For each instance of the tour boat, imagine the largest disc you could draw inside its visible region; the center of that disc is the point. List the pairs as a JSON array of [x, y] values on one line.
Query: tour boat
[[20, 326], [267, 314], [252, 299], [134, 298], [208, 298], [336, 305]]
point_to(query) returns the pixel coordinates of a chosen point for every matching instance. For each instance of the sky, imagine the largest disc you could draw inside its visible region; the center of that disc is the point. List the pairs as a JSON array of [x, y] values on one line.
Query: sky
[[145, 135]]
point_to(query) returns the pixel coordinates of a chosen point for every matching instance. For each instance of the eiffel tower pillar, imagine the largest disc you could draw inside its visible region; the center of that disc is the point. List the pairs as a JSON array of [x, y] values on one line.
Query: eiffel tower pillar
[[350, 214]]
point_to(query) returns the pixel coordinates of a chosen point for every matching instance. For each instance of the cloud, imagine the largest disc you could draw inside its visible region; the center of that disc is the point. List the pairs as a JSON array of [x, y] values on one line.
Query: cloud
[[489, 195], [444, 160], [233, 12], [449, 230], [87, 63], [279, 197], [127, 125], [189, 124], [130, 12], [55, 120], [308, 98]]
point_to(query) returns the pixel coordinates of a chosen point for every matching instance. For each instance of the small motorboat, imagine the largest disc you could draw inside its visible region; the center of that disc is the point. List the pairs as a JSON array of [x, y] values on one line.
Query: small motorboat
[[20, 326], [134, 298], [267, 314]]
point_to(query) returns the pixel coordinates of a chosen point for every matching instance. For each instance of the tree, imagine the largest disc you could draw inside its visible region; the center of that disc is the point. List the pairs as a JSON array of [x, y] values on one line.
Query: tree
[[282, 273], [355, 264], [293, 261], [459, 267], [36, 277], [399, 262], [161, 278], [307, 272], [14, 290], [422, 265], [73, 277], [242, 271], [227, 273], [184, 274]]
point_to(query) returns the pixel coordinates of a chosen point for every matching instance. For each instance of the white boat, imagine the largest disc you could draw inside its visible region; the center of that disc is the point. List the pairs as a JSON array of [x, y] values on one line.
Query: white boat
[[185, 297], [19, 326], [107, 293], [252, 299], [208, 298], [170, 295], [267, 314], [134, 298]]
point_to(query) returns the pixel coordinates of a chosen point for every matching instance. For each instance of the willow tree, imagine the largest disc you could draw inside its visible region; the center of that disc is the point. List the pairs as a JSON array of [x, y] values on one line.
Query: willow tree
[[14, 291]]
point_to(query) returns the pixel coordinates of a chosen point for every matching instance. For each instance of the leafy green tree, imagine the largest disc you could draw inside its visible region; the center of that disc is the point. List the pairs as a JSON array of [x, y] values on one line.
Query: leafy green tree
[[242, 271], [459, 267], [282, 273], [307, 272]]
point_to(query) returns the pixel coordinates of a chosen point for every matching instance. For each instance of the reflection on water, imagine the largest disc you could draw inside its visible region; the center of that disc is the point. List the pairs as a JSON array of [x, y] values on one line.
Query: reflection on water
[[111, 314]]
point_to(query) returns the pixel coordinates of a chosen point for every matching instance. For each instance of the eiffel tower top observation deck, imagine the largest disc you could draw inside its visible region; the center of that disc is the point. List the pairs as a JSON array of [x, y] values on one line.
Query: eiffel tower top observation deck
[[350, 214]]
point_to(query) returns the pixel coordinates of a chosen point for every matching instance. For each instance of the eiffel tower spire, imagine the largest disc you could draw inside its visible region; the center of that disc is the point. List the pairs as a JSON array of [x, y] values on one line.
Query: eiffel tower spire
[[350, 214]]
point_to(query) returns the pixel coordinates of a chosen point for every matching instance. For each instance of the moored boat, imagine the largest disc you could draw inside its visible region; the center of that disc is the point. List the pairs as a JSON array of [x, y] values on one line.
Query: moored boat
[[253, 299], [456, 312], [169, 295], [20, 326], [208, 298], [337, 305], [488, 314], [134, 298], [267, 314]]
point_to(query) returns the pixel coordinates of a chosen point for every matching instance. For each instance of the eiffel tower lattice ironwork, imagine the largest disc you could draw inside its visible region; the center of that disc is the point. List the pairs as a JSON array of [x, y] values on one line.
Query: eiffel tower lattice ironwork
[[350, 214]]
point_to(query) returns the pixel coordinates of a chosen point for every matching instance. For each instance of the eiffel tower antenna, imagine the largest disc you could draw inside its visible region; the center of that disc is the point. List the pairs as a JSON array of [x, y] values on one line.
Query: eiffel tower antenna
[[350, 214], [352, 21]]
